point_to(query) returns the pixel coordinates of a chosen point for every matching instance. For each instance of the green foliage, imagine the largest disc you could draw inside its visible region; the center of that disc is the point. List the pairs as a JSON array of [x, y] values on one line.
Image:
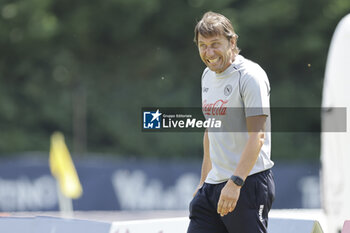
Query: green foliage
[[116, 56]]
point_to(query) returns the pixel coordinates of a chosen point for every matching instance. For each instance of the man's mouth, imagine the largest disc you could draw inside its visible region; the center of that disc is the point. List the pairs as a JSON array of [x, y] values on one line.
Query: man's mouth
[[213, 60]]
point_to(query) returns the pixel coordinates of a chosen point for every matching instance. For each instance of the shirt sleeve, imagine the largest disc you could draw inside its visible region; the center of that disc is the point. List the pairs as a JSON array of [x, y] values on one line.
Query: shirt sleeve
[[256, 94]]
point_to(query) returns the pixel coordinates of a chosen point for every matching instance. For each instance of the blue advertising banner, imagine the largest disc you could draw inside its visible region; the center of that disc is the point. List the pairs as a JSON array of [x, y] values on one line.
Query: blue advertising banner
[[26, 184]]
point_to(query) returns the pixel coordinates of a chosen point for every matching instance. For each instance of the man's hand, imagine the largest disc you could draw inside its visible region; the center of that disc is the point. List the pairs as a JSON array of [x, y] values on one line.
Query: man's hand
[[228, 198]]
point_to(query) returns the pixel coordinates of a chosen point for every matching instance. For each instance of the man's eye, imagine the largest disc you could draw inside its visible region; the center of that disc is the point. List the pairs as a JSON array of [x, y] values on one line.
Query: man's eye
[[202, 46], [215, 44]]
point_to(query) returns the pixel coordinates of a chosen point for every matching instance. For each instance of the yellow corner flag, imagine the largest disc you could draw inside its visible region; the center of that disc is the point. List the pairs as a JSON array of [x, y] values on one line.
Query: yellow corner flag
[[62, 167]]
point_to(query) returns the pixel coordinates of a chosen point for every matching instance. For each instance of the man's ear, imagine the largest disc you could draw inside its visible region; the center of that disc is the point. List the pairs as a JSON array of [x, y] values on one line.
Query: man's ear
[[232, 40], [233, 43]]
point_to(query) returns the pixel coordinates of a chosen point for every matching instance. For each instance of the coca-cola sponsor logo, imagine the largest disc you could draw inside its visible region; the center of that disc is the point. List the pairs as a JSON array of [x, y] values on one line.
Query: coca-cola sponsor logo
[[216, 108]]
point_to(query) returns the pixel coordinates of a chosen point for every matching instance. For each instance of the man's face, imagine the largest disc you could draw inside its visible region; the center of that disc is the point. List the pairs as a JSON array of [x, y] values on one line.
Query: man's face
[[216, 52]]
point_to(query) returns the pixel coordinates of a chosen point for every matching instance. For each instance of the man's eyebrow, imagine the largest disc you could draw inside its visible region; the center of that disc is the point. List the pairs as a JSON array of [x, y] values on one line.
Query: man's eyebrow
[[213, 40]]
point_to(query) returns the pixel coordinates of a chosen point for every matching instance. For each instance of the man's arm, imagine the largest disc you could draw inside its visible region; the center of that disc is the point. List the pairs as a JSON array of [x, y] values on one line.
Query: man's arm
[[256, 127], [230, 193], [206, 163]]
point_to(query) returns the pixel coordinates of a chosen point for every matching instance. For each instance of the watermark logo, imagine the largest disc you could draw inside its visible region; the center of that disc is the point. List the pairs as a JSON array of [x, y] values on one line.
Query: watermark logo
[[176, 120], [152, 119], [217, 116]]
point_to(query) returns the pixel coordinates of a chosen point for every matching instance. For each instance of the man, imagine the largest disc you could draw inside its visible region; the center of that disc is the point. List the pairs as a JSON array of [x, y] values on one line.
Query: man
[[236, 189]]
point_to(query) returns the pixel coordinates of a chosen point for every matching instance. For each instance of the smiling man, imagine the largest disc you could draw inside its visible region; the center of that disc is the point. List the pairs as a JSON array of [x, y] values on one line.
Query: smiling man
[[236, 189]]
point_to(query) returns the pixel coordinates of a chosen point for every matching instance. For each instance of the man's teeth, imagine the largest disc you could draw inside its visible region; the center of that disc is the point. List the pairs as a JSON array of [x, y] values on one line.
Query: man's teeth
[[213, 60]]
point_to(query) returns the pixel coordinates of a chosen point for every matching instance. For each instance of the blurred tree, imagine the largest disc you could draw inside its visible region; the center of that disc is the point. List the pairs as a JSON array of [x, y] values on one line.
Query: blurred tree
[[87, 67]]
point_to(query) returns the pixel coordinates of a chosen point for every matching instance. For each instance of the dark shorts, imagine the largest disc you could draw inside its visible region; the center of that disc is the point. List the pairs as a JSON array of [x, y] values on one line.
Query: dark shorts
[[250, 214]]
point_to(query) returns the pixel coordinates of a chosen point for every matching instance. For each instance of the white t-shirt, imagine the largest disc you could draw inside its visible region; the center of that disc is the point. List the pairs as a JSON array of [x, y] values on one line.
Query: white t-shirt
[[242, 90]]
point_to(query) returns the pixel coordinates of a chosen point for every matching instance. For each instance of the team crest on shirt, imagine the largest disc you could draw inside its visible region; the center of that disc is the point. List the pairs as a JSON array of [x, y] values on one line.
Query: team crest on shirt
[[228, 90], [205, 89]]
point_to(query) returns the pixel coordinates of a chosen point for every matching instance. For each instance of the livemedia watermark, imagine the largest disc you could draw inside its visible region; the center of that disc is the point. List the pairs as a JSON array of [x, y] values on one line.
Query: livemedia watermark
[[218, 119]]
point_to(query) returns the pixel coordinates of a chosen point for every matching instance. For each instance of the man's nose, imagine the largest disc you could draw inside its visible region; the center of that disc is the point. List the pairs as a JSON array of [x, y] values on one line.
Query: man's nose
[[210, 52]]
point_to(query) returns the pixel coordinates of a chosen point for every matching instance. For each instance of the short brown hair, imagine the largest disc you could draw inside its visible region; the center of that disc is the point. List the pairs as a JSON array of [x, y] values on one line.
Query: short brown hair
[[214, 24]]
